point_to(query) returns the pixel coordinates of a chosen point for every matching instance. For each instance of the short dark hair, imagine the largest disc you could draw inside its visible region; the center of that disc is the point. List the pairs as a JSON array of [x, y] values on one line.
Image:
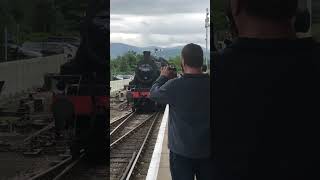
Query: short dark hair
[[192, 55], [204, 68], [271, 9]]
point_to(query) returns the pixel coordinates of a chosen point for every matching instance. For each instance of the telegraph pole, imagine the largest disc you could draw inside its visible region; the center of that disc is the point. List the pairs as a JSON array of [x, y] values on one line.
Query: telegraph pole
[[207, 25]]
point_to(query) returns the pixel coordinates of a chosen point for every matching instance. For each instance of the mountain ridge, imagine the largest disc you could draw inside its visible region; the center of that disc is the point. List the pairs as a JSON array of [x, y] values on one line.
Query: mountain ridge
[[119, 49]]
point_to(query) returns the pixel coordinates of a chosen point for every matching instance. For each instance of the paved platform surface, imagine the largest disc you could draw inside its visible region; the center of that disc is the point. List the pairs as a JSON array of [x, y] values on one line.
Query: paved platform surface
[[159, 166], [164, 168]]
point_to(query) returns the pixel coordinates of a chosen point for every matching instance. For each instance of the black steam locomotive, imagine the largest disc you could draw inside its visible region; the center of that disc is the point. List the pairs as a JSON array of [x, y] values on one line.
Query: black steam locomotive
[[81, 90], [147, 71]]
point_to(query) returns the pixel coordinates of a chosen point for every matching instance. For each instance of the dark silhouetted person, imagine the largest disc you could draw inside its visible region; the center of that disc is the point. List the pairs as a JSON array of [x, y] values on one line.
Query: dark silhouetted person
[[266, 103], [1, 85], [227, 41], [204, 68], [189, 116]]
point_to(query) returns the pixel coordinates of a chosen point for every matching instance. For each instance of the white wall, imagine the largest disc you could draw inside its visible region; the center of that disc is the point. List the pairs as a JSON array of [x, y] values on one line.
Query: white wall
[[118, 85], [26, 74]]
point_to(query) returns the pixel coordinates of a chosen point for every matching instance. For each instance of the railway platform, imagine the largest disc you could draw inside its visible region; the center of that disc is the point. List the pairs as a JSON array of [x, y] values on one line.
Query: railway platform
[[159, 168]]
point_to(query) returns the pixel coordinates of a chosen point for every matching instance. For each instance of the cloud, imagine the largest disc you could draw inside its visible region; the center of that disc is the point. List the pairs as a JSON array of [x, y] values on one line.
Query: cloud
[[143, 40], [165, 24], [158, 23], [158, 6]]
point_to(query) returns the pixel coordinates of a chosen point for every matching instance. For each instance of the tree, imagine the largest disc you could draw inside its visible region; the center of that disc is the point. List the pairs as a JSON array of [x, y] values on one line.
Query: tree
[[125, 64], [176, 61], [44, 16], [73, 11], [219, 20], [6, 18]]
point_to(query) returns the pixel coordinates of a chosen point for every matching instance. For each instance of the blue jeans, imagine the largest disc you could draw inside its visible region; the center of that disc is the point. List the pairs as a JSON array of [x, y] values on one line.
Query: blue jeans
[[183, 168]]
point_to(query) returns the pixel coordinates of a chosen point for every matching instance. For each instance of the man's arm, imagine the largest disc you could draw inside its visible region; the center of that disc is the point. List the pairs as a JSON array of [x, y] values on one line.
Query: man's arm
[[160, 90]]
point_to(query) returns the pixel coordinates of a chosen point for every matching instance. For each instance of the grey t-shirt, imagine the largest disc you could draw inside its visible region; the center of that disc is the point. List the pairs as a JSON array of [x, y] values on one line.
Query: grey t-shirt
[[189, 113]]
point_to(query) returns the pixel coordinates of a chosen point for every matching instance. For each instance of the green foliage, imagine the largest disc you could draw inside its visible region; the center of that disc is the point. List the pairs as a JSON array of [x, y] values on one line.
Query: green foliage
[[72, 11], [176, 62], [43, 15], [219, 20], [125, 64], [33, 17], [6, 18]]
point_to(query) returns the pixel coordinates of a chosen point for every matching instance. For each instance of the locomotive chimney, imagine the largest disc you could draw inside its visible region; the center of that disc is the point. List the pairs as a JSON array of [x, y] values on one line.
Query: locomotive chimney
[[146, 55]]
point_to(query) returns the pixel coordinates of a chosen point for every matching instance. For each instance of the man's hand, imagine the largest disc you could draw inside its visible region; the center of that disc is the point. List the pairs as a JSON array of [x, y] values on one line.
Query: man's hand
[[166, 72]]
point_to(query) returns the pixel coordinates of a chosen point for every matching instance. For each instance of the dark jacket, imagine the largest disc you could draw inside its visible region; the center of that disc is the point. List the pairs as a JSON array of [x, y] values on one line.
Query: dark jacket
[[189, 113], [266, 107]]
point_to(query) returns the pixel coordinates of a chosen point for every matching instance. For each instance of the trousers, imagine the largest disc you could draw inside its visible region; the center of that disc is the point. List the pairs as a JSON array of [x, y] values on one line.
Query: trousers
[[183, 168]]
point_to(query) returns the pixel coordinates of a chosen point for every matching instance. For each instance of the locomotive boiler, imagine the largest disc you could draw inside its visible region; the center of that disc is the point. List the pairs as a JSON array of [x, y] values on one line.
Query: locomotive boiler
[[146, 73]]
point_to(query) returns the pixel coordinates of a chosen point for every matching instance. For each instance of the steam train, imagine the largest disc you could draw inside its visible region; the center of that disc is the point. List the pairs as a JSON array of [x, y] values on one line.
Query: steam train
[[81, 90], [146, 73]]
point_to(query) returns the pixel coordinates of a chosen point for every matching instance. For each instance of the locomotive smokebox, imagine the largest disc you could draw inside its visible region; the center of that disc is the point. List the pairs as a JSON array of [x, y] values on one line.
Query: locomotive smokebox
[[146, 55]]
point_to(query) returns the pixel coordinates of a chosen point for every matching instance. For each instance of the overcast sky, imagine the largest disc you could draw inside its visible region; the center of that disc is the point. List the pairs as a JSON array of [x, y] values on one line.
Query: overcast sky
[[163, 23]]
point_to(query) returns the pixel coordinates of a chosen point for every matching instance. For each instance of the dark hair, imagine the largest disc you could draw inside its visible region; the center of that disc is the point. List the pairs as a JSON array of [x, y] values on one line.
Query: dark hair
[[192, 55], [204, 68], [278, 10]]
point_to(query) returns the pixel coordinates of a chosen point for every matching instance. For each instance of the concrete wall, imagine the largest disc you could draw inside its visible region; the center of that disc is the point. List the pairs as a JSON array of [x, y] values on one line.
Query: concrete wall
[[118, 85], [24, 75]]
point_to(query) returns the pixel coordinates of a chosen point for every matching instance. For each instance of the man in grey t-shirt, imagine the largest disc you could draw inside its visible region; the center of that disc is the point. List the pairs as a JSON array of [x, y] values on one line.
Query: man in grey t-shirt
[[189, 116]]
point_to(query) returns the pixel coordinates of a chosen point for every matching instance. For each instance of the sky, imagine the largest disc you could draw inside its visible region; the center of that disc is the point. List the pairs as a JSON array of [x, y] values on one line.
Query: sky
[[163, 23]]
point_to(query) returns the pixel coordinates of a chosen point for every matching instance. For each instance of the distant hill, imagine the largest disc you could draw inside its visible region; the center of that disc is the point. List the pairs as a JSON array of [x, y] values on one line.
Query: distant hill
[[119, 49]]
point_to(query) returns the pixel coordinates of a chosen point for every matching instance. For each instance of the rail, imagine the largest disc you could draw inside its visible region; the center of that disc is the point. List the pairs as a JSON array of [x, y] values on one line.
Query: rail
[[133, 165], [127, 149], [120, 122], [130, 132], [57, 171]]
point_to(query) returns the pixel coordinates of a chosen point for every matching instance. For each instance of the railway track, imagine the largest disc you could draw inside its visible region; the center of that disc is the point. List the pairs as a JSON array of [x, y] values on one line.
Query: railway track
[[82, 170], [56, 171], [44, 142], [129, 138], [127, 149], [118, 121], [129, 123], [74, 169]]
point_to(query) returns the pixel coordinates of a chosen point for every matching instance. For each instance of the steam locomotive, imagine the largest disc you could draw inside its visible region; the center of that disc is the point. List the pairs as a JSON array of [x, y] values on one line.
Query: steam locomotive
[[81, 90], [146, 73]]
